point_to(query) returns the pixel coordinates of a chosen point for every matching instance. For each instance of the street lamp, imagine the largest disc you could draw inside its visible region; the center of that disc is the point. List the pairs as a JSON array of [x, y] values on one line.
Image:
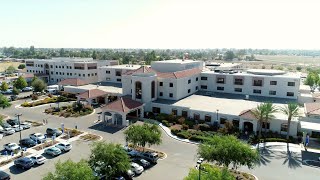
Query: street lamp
[[200, 170], [18, 115], [217, 115]]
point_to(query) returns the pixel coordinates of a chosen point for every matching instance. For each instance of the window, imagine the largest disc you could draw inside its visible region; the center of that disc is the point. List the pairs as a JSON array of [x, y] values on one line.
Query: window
[[107, 72], [70, 74], [196, 88], [207, 118], [170, 95], [257, 91], [236, 122], [62, 67], [284, 127], [79, 75], [67, 74], [273, 82], [118, 73], [220, 80], [223, 120], [189, 90], [272, 92], [197, 78], [174, 112], [60, 73], [107, 79], [138, 90], [237, 89], [160, 93], [290, 94], [92, 67], [189, 81], [238, 81], [59, 66], [219, 88], [184, 113], [92, 74], [204, 87], [266, 125], [160, 83], [63, 73], [204, 78], [51, 66], [171, 84], [156, 110], [119, 80], [153, 89], [257, 82], [196, 116], [95, 74], [291, 84], [83, 75], [88, 75], [56, 66], [51, 72]]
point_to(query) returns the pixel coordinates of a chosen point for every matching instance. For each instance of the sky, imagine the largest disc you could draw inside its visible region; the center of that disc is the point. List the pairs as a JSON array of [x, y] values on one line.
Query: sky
[[165, 24]]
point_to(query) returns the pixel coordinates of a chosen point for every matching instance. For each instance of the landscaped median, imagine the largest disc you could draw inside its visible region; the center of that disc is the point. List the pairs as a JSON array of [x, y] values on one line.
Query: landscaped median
[[74, 110], [48, 100]]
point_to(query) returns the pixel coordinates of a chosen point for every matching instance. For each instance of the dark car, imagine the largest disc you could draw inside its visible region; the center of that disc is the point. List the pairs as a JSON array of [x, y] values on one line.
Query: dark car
[[4, 176], [52, 131], [24, 163], [13, 122], [27, 142], [6, 125]]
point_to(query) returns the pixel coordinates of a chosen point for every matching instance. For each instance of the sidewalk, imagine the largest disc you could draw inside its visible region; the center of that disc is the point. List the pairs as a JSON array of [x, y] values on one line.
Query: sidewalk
[[168, 132]]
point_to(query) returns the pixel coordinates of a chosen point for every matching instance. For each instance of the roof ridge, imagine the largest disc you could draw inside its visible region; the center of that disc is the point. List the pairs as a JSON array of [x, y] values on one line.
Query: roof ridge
[[122, 104]]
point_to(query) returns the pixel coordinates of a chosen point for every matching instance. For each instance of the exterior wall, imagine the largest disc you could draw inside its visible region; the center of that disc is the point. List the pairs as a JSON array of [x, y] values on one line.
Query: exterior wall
[[183, 86], [146, 87], [275, 124], [165, 89], [108, 73], [247, 88], [172, 66], [126, 85], [63, 69]]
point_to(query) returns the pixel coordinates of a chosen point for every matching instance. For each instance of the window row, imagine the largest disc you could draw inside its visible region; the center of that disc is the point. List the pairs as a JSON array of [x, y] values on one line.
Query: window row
[[171, 84]]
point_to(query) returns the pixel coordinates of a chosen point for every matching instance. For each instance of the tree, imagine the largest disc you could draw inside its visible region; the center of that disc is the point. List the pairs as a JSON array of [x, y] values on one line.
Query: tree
[[1, 120], [11, 70], [15, 91], [147, 134], [226, 150], [270, 110], [94, 55], [38, 85], [20, 83], [211, 173], [61, 52], [229, 55], [4, 86], [298, 68], [259, 113], [108, 159], [291, 110], [70, 170], [4, 102], [312, 79], [21, 66]]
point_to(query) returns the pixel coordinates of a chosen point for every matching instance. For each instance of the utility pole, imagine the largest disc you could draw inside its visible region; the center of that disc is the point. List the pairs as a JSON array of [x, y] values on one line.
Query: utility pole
[[18, 115]]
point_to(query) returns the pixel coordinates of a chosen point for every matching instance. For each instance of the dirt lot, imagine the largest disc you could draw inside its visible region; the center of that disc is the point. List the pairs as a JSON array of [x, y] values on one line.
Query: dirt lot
[[5, 65]]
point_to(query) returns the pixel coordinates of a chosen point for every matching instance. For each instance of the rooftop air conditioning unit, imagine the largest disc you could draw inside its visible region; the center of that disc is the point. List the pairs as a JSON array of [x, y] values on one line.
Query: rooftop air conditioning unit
[[247, 97]]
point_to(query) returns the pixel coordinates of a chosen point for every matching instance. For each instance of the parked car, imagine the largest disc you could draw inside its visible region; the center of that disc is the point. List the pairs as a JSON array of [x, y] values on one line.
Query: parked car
[[38, 137], [4, 176], [13, 97], [25, 125], [144, 163], [11, 146], [9, 91], [7, 131], [53, 151], [28, 142], [24, 163], [52, 131], [64, 146], [131, 152], [17, 128], [27, 89], [200, 160], [128, 175], [150, 156], [13, 122], [38, 159], [6, 125], [136, 168]]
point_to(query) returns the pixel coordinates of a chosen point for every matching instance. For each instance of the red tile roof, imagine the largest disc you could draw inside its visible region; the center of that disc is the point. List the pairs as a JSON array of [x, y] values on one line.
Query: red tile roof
[[30, 75], [92, 93], [166, 75], [247, 114], [72, 82], [123, 104], [312, 108]]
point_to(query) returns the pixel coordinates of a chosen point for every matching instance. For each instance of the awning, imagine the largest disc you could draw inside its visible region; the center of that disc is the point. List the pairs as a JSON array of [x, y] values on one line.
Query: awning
[[310, 126]]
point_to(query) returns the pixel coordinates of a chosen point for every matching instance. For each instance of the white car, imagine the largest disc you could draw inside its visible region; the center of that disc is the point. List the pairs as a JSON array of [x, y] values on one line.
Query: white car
[[17, 128], [136, 168], [38, 159], [38, 137], [27, 89], [64, 146], [7, 131], [25, 125], [12, 147], [200, 160]]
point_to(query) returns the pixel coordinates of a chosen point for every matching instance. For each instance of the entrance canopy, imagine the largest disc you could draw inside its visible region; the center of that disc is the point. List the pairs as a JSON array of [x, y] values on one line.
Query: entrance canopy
[[310, 126], [123, 105]]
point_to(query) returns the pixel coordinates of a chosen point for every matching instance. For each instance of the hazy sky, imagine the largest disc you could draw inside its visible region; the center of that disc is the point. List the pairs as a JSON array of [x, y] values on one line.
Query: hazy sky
[[160, 24]]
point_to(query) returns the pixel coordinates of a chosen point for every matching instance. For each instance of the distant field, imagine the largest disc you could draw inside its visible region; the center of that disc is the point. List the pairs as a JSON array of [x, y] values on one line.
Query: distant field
[[5, 65], [289, 59]]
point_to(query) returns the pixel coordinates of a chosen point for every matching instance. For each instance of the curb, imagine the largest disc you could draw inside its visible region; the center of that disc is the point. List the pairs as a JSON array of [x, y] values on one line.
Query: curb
[[175, 137], [305, 162]]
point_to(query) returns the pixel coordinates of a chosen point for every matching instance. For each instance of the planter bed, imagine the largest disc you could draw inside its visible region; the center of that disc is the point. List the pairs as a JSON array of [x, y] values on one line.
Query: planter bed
[[70, 111], [90, 137], [14, 158], [141, 149], [73, 133], [34, 123], [44, 145]]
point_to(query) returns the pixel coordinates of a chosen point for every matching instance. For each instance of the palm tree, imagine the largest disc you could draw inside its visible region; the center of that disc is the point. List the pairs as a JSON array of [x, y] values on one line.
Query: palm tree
[[270, 110], [291, 110], [259, 113]]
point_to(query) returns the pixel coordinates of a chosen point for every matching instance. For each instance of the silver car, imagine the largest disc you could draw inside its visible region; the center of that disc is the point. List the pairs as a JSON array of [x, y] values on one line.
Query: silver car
[[8, 131]]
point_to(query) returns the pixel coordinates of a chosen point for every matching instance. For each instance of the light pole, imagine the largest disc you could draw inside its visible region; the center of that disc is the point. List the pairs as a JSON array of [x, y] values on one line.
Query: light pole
[[217, 115], [18, 115], [200, 170]]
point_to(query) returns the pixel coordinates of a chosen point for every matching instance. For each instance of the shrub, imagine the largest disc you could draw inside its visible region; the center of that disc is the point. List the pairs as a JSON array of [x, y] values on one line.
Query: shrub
[[181, 120], [190, 123], [184, 134], [175, 131], [166, 123], [204, 127], [34, 97], [50, 95], [199, 138], [25, 104], [62, 99], [185, 127]]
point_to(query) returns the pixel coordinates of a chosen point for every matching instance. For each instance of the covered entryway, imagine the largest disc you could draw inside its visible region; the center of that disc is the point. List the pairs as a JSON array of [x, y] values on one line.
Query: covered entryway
[[119, 110], [248, 127], [93, 96]]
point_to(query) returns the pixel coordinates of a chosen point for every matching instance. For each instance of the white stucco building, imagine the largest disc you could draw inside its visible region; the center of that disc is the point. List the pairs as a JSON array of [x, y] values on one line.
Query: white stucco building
[[58, 69]]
